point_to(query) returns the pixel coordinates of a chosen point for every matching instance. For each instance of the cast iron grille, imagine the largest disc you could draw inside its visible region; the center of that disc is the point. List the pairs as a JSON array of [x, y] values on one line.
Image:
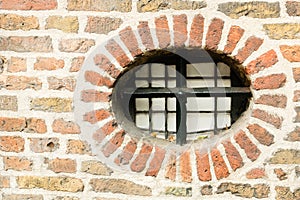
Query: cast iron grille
[[176, 97]]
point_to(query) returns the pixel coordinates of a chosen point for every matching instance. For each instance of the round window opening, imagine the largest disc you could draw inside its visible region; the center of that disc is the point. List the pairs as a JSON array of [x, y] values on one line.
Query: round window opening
[[181, 95]]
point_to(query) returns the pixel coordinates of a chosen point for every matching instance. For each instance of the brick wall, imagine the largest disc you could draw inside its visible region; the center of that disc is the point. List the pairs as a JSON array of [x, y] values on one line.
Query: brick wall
[[59, 139]]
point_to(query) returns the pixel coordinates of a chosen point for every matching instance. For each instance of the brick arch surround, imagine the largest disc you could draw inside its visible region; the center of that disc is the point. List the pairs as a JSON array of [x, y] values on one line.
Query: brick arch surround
[[242, 146]]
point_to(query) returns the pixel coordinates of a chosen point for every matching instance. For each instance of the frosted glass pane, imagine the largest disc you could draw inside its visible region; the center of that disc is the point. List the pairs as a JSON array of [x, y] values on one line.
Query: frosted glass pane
[[142, 120], [171, 83], [224, 83], [200, 69], [224, 120], [157, 70], [200, 104], [171, 104], [141, 83], [142, 104], [200, 122], [223, 69], [200, 83], [158, 104], [224, 103], [158, 121], [171, 122], [171, 70], [158, 83], [143, 71]]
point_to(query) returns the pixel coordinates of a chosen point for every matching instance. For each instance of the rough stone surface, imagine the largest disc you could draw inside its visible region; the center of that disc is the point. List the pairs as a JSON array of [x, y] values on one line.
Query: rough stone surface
[[291, 53], [293, 8], [282, 31], [267, 117], [281, 175], [77, 63], [233, 156], [214, 34], [35, 125], [261, 134], [67, 24], [99, 5], [157, 5], [102, 25], [286, 156], [78, 147], [234, 36], [196, 32], [245, 143], [95, 167], [206, 190], [15, 22], [51, 104], [12, 124], [12, 144], [66, 83], [22, 197], [256, 173], [17, 163], [130, 41], [80, 45], [252, 44], [28, 4], [48, 64], [8, 103], [16, 64], [278, 101], [179, 191], [4, 182], [65, 127], [245, 190], [273, 81], [294, 135], [41, 145], [20, 83], [266, 60], [62, 165], [285, 193]]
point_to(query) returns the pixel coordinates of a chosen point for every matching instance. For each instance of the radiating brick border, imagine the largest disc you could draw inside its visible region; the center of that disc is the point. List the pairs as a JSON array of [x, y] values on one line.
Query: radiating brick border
[[117, 148]]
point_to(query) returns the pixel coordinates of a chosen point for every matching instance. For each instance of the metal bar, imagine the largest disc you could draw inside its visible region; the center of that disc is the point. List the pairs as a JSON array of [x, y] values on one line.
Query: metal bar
[[215, 101]]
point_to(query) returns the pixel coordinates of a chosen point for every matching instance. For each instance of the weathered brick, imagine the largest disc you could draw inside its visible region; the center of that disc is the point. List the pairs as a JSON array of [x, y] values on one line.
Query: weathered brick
[[266, 60], [245, 190], [16, 64], [114, 143], [8, 103], [170, 171], [51, 104], [157, 5], [62, 165], [102, 25], [266, 117], [196, 32], [220, 167], [99, 5], [80, 45], [65, 198], [294, 135], [282, 31], [15, 22], [234, 36], [214, 34], [104, 63], [286, 156], [284, 193], [206, 190], [64, 184], [17, 163], [156, 162], [78, 147], [95, 167], [293, 8], [180, 29], [117, 52], [77, 63], [21, 83], [185, 167], [12, 144], [296, 95], [278, 101], [66, 83], [296, 74], [35, 125], [96, 116], [140, 161], [65, 127], [203, 166], [12, 124], [127, 153], [95, 96], [281, 175], [26, 44], [28, 5], [105, 130], [97, 79], [4, 181], [129, 39], [162, 31], [68, 24], [272, 81], [48, 64], [179, 191], [145, 35], [256, 173], [255, 9], [41, 145], [22, 197], [233, 156], [261, 134], [245, 143], [251, 45], [291, 53], [120, 186]]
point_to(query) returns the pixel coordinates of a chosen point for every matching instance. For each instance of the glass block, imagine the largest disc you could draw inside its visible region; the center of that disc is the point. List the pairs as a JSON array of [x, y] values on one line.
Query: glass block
[[158, 121], [141, 83], [194, 83], [200, 69], [158, 104], [171, 104], [142, 104], [171, 69], [143, 71], [223, 69], [224, 104], [224, 120], [200, 122], [200, 104], [171, 122], [158, 83], [142, 120], [157, 70]]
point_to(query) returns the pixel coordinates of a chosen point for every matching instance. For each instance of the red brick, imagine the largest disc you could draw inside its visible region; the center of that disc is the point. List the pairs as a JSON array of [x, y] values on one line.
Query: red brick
[[245, 143], [180, 29], [196, 32], [234, 36], [41, 145], [65, 127], [105, 130], [116, 51], [12, 124], [256, 173], [170, 172], [4, 182], [62, 165], [293, 8], [78, 147], [203, 166], [127, 153], [102, 25], [294, 135], [17, 163], [281, 175], [66, 83], [266, 117], [261, 134], [297, 118], [296, 96], [145, 35], [95, 96], [104, 63], [214, 34], [77, 63], [28, 5], [233, 156], [129, 39], [113, 144], [12, 144], [36, 125], [48, 64], [220, 167], [156, 162], [162, 31], [96, 116], [16, 64], [278, 101], [266, 60], [251, 45], [291, 53], [80, 45], [185, 167], [273, 81], [21, 83], [140, 161], [296, 74], [97, 79]]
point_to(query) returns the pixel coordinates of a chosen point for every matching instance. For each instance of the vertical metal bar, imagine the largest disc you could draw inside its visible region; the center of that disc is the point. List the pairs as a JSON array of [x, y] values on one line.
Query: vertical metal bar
[[150, 99], [166, 103], [215, 101]]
